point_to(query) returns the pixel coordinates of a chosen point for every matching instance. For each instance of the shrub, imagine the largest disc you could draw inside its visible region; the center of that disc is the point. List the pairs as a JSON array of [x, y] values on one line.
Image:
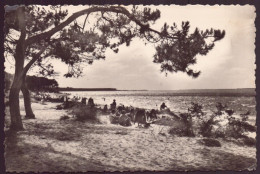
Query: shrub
[[205, 128], [249, 141], [196, 109], [220, 107], [184, 130], [177, 131], [84, 112], [210, 142], [236, 128], [65, 117], [59, 107], [245, 116], [219, 134], [187, 128], [230, 112], [69, 104], [114, 119], [124, 120]]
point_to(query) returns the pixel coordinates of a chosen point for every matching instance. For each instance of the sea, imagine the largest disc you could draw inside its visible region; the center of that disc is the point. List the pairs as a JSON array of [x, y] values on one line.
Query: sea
[[175, 101]]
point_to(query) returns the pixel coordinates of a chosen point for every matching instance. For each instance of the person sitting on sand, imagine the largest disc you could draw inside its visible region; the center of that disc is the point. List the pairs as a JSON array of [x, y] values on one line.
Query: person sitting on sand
[[163, 106], [113, 112], [120, 108], [124, 120]]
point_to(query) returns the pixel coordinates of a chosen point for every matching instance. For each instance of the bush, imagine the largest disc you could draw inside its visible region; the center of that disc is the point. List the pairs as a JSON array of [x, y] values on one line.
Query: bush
[[114, 119], [245, 116], [205, 128], [187, 128], [182, 131], [219, 134], [220, 107], [69, 104], [84, 112], [236, 128], [65, 117], [124, 120], [249, 141], [59, 107], [210, 142], [196, 109]]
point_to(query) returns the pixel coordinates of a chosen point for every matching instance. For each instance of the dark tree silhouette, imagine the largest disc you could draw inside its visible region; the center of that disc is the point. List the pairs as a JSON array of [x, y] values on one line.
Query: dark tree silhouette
[[35, 83], [44, 33]]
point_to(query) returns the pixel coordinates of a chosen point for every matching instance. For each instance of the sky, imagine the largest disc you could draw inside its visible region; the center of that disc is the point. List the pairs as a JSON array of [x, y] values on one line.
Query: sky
[[231, 64]]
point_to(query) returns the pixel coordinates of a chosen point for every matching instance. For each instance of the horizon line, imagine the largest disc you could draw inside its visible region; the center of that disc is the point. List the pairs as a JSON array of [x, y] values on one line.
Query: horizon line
[[156, 89]]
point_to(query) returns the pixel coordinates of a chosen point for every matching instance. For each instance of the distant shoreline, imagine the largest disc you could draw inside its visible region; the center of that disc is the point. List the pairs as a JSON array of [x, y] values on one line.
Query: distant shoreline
[[94, 89], [241, 92], [87, 89]]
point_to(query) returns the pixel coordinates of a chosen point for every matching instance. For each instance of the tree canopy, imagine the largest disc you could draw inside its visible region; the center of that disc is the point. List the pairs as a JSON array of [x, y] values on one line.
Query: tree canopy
[[35, 83], [74, 44]]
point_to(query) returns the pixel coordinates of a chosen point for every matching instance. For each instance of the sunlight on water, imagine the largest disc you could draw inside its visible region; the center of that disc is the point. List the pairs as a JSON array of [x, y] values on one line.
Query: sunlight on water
[[153, 100]]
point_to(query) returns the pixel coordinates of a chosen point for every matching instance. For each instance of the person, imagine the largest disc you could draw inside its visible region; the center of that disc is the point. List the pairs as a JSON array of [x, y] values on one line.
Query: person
[[105, 108], [163, 106], [114, 102], [91, 102], [113, 105], [121, 108], [84, 100], [124, 120]]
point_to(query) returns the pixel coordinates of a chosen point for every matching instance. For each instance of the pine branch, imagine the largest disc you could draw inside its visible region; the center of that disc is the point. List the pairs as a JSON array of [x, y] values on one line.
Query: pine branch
[[34, 59], [115, 9]]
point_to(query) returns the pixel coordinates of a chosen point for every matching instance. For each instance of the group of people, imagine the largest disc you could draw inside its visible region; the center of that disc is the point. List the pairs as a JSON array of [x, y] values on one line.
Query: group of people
[[90, 101], [42, 97], [125, 115], [113, 106]]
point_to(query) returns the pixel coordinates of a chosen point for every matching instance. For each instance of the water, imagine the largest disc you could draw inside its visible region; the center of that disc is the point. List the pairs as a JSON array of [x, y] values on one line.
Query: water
[[153, 100]]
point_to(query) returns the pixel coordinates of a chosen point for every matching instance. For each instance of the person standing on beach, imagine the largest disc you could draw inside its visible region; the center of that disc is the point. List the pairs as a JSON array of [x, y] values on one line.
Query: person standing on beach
[[84, 100], [113, 105], [105, 109]]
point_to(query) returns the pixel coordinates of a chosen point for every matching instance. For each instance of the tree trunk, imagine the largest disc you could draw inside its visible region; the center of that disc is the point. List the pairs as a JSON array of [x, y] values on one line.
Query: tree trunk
[[27, 101], [16, 121]]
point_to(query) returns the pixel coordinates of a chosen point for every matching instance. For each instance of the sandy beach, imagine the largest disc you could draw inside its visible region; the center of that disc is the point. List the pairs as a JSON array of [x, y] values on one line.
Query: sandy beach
[[51, 144]]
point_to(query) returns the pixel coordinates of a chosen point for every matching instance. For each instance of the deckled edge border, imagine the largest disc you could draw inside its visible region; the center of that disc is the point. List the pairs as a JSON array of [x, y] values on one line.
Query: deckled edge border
[[128, 2]]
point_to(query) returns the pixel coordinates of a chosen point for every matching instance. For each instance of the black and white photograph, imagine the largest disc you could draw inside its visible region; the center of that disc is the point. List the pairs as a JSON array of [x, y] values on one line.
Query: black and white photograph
[[109, 88]]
